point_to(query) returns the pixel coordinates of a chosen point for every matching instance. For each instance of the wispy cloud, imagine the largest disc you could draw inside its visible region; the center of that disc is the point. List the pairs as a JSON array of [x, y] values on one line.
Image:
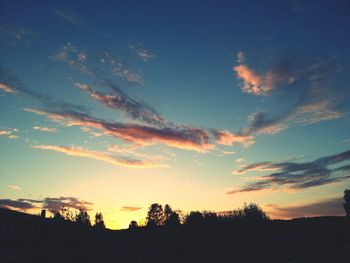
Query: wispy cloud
[[130, 209], [6, 88], [316, 101], [119, 100], [12, 83], [101, 156], [263, 83], [296, 176], [71, 17], [10, 133], [240, 57], [17, 35], [44, 129], [182, 137], [225, 137], [142, 53], [74, 57], [14, 187]]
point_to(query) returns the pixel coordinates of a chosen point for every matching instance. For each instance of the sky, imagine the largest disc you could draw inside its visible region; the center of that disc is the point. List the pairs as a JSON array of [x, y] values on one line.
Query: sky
[[111, 106]]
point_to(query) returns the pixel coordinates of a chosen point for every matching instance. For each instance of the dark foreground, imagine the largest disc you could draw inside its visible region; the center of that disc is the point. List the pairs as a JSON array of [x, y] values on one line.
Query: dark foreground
[[27, 238]]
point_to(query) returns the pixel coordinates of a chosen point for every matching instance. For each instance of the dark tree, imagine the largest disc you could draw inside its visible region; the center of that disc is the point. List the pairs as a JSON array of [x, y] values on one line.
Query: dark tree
[[155, 215], [173, 220], [194, 218], [253, 212], [56, 215], [346, 203], [167, 212], [99, 222], [133, 225], [83, 218], [210, 217]]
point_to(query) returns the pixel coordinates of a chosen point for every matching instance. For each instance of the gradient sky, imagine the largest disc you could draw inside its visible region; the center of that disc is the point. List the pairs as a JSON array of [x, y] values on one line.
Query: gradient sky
[[205, 105]]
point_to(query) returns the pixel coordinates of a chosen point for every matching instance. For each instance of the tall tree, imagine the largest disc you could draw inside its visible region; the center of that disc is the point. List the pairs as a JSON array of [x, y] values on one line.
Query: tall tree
[[155, 215], [346, 203], [99, 222], [167, 212], [83, 218]]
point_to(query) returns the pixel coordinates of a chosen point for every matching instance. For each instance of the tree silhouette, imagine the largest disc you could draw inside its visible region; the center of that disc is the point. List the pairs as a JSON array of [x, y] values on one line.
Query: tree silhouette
[[83, 218], [99, 222], [155, 215], [56, 215], [194, 218], [173, 220], [253, 212], [167, 212], [133, 225], [346, 203]]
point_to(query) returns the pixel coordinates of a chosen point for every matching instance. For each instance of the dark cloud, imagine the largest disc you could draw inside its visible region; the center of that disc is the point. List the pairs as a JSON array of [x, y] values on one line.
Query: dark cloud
[[16, 204], [65, 202], [49, 203], [329, 207], [298, 175]]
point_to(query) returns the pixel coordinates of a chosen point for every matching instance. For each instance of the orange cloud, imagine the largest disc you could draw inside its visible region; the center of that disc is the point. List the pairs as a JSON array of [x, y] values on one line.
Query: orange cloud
[[253, 82], [228, 138], [6, 88], [184, 138], [101, 156], [44, 129]]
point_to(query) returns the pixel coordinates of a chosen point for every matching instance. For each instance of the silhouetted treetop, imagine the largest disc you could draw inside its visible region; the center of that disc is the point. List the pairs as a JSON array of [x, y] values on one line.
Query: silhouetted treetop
[[133, 225], [155, 215], [83, 218], [99, 222]]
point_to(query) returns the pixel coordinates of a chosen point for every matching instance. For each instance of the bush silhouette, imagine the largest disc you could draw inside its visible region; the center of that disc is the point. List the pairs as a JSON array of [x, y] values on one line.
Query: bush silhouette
[[133, 225]]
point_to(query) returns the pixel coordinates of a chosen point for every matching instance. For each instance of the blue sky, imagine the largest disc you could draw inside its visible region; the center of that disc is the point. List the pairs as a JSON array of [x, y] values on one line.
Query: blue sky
[[201, 105]]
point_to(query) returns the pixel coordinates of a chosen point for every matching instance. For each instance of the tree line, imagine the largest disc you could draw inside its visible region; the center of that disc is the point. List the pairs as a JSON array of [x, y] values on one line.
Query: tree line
[[158, 215]]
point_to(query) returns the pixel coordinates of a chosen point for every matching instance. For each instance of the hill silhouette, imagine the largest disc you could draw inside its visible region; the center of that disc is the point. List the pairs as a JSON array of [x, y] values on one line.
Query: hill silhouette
[[30, 238]]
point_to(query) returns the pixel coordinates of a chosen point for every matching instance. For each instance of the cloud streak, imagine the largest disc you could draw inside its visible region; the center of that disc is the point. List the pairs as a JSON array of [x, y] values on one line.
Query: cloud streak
[[49, 203], [119, 100], [71, 17], [14, 187], [130, 209], [101, 156], [297, 176], [16, 204], [182, 137], [14, 86], [44, 129]]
